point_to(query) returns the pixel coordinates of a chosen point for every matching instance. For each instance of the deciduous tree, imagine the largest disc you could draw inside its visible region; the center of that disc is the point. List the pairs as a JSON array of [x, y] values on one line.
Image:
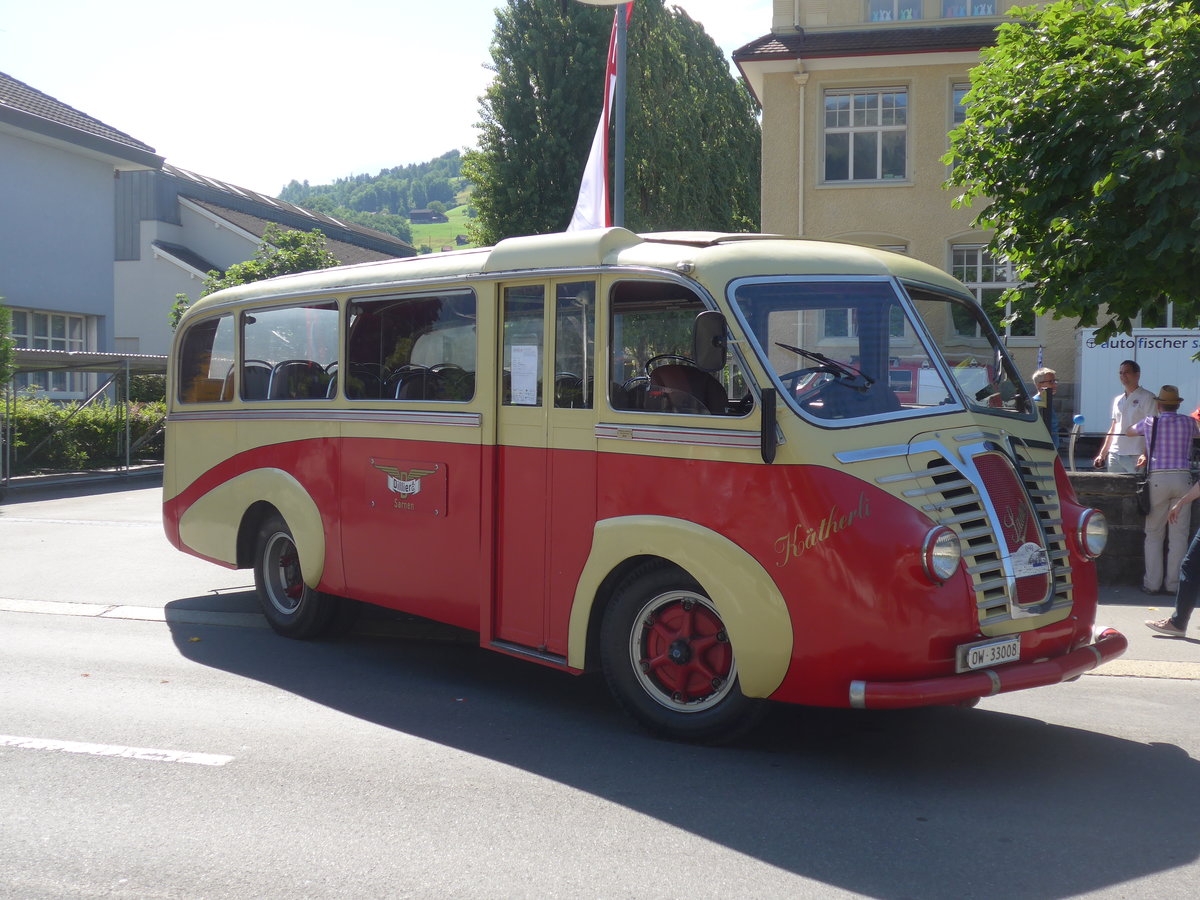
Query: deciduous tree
[[692, 137], [281, 252], [1082, 142]]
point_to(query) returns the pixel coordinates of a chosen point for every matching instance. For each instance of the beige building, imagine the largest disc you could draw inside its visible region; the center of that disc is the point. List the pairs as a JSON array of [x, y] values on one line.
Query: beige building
[[858, 98]]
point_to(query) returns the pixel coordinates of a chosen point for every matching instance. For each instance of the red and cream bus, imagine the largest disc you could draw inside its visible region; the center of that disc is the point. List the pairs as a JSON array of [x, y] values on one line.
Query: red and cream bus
[[681, 459]]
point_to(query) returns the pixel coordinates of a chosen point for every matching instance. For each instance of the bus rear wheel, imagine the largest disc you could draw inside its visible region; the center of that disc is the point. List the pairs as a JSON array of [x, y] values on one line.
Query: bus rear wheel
[[291, 607], [668, 659]]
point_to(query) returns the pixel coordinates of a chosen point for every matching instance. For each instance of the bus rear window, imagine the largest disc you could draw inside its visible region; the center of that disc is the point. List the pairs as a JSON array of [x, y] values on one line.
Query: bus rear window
[[206, 362]]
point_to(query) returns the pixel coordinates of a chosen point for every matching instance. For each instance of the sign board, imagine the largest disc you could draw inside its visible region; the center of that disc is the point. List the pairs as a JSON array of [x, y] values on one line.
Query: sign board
[[1165, 355]]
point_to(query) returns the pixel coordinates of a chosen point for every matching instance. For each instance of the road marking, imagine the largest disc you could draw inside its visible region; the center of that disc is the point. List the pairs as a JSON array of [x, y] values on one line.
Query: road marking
[[134, 613], [32, 520], [142, 753]]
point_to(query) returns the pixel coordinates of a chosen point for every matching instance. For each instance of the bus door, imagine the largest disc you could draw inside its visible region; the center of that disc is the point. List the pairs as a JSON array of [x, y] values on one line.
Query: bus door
[[545, 472]]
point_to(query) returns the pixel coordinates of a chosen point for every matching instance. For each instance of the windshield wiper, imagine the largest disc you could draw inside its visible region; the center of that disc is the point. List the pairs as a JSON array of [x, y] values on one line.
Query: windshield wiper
[[840, 369]]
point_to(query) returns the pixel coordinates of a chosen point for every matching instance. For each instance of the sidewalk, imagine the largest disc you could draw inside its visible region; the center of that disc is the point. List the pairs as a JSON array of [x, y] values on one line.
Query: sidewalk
[[25, 485], [1150, 655]]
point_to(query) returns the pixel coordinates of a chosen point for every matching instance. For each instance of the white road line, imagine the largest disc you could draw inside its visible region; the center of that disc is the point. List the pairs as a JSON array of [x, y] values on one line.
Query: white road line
[[31, 520], [142, 753], [134, 613]]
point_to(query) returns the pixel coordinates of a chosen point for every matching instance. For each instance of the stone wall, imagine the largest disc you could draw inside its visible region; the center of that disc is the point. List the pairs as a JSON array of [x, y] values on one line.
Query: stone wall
[[1113, 495]]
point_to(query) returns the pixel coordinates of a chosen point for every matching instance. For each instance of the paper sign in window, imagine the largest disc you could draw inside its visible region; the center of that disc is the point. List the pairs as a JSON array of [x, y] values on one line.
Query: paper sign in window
[[524, 368]]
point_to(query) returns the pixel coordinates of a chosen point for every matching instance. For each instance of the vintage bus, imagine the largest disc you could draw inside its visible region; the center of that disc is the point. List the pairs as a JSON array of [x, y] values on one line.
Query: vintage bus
[[720, 468]]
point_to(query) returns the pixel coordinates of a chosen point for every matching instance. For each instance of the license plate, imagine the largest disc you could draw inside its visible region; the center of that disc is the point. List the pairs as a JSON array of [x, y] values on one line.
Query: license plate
[[983, 654]]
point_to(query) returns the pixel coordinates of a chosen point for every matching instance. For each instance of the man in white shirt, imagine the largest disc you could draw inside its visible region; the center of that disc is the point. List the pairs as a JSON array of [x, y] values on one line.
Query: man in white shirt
[[1121, 451]]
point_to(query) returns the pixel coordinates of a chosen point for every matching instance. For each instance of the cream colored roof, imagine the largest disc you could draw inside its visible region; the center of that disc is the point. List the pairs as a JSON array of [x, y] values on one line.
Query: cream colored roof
[[709, 257]]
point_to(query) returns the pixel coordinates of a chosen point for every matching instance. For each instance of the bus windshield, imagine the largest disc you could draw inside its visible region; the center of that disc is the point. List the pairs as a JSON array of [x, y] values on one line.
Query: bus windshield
[[849, 350]]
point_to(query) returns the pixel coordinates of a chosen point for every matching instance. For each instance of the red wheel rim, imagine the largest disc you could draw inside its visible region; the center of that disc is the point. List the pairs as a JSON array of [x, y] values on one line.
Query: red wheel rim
[[680, 652]]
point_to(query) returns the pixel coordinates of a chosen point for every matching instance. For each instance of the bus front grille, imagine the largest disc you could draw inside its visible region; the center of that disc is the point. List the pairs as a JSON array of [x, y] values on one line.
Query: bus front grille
[[994, 480]]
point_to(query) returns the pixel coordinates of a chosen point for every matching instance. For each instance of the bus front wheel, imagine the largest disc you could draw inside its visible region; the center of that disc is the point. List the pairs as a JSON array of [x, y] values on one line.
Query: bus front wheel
[[668, 660], [291, 607]]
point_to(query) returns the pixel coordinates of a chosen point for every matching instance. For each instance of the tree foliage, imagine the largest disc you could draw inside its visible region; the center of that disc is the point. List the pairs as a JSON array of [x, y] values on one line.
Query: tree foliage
[[281, 252], [692, 138], [1082, 137], [383, 201], [7, 344]]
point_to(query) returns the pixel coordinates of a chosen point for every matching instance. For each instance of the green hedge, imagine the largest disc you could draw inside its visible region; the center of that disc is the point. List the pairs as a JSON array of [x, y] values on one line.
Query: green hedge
[[93, 437]]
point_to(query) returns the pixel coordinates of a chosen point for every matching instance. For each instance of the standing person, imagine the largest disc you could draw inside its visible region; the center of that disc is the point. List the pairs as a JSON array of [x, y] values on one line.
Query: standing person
[[1121, 451], [1169, 471], [1046, 382], [1189, 575]]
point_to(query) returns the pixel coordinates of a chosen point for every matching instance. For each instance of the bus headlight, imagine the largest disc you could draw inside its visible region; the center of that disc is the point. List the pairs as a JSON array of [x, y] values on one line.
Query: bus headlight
[[1093, 533], [941, 555]]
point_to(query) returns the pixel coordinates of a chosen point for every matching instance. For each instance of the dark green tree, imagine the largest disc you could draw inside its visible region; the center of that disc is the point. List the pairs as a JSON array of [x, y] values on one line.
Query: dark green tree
[[692, 137], [281, 252], [1081, 140]]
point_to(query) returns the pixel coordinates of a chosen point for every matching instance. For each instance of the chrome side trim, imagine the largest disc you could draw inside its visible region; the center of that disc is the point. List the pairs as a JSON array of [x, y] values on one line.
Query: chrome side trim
[[858, 695], [668, 434], [530, 653], [392, 416]]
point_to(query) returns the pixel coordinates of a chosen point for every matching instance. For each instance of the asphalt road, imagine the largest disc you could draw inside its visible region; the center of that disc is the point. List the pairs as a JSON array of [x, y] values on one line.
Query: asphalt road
[[157, 741]]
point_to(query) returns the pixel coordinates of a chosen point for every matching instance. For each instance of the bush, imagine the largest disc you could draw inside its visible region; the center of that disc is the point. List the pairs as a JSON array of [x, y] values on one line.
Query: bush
[[92, 437]]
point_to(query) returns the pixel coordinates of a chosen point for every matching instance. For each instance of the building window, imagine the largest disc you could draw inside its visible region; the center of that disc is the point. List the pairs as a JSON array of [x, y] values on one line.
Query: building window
[[893, 10], [956, 9], [987, 278], [866, 135], [958, 104], [842, 322], [40, 330]]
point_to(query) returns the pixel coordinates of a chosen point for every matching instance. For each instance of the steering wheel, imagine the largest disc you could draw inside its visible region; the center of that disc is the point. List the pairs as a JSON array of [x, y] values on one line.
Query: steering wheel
[[792, 378], [635, 382]]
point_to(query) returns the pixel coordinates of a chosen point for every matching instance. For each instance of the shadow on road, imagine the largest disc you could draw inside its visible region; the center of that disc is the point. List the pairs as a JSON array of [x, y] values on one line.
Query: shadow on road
[[934, 803]]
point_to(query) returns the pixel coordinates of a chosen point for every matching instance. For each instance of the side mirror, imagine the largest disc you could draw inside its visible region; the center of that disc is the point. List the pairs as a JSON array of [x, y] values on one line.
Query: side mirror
[[708, 341]]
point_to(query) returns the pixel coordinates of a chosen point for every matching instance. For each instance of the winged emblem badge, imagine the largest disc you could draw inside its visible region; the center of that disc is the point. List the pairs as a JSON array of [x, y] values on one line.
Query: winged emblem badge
[[404, 483]]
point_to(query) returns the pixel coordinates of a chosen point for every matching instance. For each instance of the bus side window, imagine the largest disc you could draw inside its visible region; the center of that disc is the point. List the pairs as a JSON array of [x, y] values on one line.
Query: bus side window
[[650, 347], [521, 358], [293, 348], [420, 348], [206, 361], [575, 345]]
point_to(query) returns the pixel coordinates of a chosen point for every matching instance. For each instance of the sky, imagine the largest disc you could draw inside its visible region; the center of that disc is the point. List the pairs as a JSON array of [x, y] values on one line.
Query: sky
[[259, 92]]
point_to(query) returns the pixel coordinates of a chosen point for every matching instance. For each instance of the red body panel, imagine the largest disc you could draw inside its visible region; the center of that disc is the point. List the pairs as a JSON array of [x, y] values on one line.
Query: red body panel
[[845, 555]]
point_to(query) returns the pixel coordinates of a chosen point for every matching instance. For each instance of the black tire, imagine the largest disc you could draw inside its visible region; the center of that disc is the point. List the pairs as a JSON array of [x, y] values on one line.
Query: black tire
[[668, 660], [292, 608]]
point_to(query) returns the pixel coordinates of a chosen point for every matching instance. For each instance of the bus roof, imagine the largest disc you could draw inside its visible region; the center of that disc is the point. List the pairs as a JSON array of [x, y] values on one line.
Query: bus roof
[[713, 258]]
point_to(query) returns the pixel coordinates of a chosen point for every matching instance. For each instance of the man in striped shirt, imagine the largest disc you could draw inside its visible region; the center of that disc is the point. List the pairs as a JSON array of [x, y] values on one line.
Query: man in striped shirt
[[1170, 473]]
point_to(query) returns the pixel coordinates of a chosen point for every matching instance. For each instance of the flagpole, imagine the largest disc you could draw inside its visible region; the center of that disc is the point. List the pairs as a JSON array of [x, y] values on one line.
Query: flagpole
[[619, 124], [616, 60]]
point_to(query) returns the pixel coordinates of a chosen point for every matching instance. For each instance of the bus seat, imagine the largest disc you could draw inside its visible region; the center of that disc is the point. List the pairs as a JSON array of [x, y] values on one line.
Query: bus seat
[[256, 378], [704, 388], [364, 382], [296, 379], [420, 384], [569, 393]]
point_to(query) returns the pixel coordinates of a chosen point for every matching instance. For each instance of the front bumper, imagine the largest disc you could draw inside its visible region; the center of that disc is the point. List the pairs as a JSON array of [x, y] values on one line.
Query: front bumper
[[1108, 644]]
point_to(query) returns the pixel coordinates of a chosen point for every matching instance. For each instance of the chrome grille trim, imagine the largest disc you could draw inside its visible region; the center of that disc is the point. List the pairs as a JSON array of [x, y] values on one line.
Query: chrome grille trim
[[942, 481]]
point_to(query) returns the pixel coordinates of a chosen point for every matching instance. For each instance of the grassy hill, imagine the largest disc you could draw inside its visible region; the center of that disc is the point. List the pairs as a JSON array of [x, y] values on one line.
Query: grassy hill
[[442, 234]]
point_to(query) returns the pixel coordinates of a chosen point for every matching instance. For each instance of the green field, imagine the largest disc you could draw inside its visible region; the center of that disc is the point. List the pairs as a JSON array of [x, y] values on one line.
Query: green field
[[442, 234]]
